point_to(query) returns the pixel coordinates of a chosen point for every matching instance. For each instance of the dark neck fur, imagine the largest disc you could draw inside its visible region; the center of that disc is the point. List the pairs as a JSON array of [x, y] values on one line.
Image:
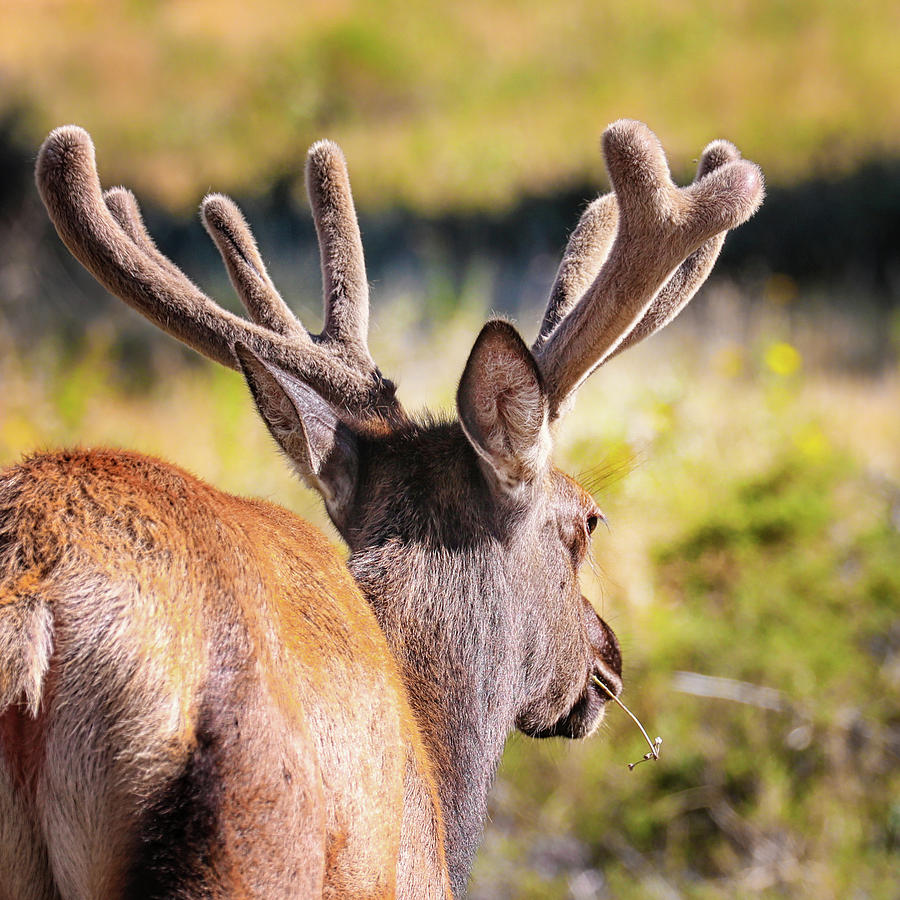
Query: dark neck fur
[[439, 600]]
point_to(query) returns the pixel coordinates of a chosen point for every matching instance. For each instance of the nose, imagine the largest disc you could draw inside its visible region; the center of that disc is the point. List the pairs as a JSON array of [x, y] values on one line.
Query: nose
[[607, 656]]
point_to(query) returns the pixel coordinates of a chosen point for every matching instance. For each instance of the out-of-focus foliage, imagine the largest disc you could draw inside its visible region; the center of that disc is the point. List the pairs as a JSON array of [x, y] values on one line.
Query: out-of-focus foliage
[[757, 541], [781, 585], [450, 104], [750, 470], [753, 491]]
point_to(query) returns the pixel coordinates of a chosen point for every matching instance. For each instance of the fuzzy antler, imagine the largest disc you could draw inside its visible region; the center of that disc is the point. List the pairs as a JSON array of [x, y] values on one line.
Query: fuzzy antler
[[648, 247], [107, 234]]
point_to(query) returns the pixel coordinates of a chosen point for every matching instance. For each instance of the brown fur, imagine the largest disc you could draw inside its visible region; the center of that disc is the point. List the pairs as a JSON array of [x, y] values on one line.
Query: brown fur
[[268, 661], [197, 697]]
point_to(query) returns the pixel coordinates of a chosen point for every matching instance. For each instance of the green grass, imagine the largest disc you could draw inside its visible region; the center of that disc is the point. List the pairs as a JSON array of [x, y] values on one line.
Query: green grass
[[780, 585], [764, 542], [754, 502], [450, 105]]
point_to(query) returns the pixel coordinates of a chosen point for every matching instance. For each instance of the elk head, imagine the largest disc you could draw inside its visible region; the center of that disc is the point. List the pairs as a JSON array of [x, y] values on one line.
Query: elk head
[[464, 537]]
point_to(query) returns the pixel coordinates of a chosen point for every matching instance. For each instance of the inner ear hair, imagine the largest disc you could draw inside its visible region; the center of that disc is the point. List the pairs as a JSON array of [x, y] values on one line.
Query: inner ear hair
[[321, 446], [502, 407]]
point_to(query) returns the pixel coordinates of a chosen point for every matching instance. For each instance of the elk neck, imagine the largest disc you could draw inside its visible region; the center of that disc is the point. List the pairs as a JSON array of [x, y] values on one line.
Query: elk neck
[[439, 574]]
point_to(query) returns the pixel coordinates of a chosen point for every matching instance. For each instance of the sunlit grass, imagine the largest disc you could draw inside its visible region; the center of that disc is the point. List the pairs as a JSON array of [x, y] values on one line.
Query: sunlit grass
[[753, 494], [459, 104]]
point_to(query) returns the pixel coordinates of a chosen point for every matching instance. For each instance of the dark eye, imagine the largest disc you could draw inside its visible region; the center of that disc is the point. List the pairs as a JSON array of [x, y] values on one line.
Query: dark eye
[[592, 520]]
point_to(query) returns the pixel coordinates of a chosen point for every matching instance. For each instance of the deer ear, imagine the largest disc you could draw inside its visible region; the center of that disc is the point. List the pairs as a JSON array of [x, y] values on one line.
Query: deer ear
[[502, 407], [323, 449]]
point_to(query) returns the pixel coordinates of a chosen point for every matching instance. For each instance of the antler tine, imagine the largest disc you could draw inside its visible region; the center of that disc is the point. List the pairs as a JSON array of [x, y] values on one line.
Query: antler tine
[[234, 240], [690, 275], [124, 260], [107, 235], [124, 208], [659, 226], [246, 269], [588, 248], [585, 253], [344, 284]]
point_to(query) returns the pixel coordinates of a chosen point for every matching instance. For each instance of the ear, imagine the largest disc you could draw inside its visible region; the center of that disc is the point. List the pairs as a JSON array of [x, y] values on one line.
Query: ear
[[502, 407], [323, 449]]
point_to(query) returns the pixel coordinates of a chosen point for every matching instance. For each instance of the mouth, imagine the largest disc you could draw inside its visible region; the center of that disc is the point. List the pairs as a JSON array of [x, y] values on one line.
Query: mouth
[[606, 683], [602, 682], [583, 719]]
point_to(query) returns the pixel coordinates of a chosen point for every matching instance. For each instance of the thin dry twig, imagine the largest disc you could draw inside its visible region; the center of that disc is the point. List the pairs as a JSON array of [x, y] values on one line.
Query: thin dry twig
[[730, 689], [654, 745]]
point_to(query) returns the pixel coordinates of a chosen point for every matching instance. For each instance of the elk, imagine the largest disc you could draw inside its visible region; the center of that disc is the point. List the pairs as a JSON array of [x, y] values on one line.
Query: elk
[[198, 696]]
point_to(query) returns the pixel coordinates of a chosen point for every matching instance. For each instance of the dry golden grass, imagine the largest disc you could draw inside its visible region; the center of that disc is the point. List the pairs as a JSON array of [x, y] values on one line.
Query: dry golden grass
[[754, 504], [449, 104]]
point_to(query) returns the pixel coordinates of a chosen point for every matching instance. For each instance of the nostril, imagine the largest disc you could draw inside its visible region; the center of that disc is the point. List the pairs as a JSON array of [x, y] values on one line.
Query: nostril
[[606, 647]]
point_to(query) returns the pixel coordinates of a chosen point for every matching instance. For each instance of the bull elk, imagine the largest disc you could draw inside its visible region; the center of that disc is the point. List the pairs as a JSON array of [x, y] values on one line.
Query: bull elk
[[198, 696]]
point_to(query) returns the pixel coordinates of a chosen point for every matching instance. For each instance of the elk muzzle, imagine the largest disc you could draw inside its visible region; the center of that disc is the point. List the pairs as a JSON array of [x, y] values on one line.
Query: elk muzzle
[[604, 662]]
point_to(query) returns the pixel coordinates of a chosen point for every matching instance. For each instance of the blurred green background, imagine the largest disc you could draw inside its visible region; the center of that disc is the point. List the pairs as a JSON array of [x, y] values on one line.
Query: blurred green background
[[748, 458]]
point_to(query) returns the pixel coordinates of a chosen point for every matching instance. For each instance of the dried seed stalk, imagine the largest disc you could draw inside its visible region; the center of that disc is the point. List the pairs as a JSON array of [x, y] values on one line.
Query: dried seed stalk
[[654, 745]]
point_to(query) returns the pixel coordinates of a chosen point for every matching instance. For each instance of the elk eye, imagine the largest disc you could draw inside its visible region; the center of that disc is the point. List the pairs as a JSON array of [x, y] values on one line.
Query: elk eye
[[591, 523]]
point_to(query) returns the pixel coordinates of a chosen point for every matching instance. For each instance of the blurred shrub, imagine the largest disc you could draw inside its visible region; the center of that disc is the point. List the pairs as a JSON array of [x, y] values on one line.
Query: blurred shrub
[[464, 104], [768, 658], [754, 536]]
